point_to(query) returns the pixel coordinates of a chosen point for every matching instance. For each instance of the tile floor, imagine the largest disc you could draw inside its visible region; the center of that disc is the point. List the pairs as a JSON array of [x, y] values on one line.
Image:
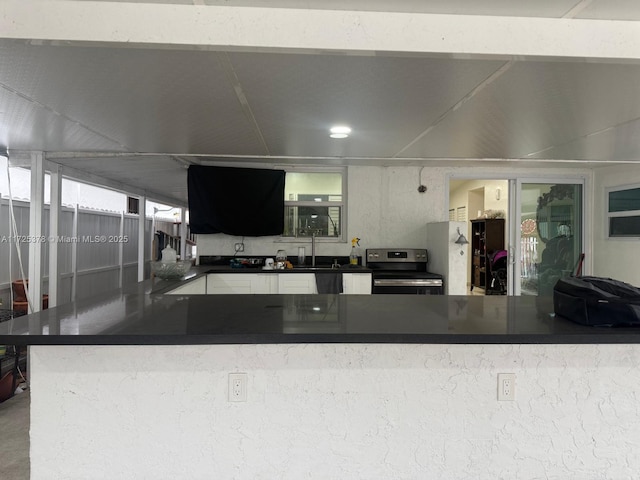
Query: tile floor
[[14, 437]]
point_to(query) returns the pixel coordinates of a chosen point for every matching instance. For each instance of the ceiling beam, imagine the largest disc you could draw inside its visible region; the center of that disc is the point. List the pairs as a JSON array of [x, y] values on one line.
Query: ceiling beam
[[19, 159], [308, 30]]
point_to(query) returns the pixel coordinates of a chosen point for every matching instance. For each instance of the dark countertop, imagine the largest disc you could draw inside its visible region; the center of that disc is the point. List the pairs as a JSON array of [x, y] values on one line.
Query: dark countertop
[[305, 269], [134, 316], [158, 286]]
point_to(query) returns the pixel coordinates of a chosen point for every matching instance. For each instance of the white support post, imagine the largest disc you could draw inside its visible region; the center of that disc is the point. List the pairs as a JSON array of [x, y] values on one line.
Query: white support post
[[35, 231], [121, 251], [74, 254], [153, 237], [54, 232], [183, 233], [142, 216]]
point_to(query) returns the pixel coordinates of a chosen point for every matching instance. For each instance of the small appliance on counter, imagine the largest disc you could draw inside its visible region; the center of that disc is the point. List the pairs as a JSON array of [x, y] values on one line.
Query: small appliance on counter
[[281, 260], [269, 264]]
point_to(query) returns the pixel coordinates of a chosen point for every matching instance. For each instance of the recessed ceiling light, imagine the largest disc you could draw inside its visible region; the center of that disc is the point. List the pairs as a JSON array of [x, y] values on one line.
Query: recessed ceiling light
[[316, 309], [340, 131]]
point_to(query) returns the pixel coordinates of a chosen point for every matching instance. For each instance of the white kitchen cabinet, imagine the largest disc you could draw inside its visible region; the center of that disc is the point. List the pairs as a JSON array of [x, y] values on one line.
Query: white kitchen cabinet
[[266, 283], [247, 283], [197, 286], [297, 283], [356, 283]]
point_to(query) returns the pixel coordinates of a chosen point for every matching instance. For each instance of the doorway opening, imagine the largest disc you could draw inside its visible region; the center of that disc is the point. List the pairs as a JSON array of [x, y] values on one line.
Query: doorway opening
[[533, 225], [484, 205]]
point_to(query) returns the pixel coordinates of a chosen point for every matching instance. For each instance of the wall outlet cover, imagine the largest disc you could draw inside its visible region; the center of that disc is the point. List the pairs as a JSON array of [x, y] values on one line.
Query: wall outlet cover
[[506, 386]]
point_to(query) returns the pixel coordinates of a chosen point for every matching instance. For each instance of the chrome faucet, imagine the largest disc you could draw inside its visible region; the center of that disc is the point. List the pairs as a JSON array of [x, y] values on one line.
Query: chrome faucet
[[313, 232], [313, 248]]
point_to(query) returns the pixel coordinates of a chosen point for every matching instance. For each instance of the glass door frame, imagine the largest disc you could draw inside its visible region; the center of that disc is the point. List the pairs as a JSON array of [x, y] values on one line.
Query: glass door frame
[[514, 269], [514, 216]]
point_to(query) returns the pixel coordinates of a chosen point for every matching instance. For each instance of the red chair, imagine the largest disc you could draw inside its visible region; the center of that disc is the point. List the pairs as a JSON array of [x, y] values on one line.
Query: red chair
[[20, 303]]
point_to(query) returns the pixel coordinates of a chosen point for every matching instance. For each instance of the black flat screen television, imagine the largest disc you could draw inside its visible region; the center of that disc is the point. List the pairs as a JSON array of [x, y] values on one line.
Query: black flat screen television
[[236, 201]]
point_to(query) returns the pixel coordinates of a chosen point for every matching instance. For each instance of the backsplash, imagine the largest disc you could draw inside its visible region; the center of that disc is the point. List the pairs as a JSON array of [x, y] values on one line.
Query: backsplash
[[225, 260]]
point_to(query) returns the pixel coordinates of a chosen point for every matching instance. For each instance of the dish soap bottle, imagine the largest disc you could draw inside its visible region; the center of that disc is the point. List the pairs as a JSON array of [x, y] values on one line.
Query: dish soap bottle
[[353, 257]]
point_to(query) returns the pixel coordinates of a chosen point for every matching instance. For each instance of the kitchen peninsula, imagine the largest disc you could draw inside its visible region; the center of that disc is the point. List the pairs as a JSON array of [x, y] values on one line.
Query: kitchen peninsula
[[338, 386]]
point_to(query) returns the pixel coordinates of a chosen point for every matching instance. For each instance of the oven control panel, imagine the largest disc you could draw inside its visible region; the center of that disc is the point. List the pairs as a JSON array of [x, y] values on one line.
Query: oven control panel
[[390, 255]]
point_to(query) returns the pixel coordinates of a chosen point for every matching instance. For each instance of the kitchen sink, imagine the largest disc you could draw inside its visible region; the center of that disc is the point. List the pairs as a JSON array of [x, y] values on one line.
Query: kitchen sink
[[317, 267]]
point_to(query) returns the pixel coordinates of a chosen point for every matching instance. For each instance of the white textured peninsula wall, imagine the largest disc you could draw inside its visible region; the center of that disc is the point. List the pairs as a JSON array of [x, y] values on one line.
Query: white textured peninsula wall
[[335, 411]]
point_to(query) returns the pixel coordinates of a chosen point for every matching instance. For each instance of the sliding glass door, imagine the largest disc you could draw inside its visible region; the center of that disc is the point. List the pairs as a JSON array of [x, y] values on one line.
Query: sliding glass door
[[548, 235]]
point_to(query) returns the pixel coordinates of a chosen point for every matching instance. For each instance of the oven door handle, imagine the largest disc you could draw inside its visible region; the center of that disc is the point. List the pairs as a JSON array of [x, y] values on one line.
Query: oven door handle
[[407, 282]]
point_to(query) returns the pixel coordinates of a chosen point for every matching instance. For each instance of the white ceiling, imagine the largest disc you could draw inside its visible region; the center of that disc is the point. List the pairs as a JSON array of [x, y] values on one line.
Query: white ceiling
[[138, 115], [592, 9]]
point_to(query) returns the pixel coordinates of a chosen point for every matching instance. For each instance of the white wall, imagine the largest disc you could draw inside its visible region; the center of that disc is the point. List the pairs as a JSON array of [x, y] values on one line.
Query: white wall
[[335, 411], [615, 258], [445, 256], [385, 209]]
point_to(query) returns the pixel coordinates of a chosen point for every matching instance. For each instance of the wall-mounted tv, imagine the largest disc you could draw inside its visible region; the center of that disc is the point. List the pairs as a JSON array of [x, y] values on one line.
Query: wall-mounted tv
[[236, 201]]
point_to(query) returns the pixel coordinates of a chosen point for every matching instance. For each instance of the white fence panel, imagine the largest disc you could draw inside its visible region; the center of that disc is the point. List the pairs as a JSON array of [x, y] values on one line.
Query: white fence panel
[[97, 245]]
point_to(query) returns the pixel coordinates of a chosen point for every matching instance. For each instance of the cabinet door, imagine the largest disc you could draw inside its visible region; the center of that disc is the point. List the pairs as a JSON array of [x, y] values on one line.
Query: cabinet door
[[297, 283], [356, 283], [241, 283], [197, 286], [226, 283], [265, 283]]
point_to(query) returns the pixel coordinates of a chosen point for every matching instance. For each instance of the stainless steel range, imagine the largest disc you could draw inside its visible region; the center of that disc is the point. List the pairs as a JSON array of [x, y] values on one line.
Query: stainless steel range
[[403, 271]]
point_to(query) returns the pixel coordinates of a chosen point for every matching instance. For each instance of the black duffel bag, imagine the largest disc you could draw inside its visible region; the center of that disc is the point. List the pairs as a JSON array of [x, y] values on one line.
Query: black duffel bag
[[597, 301]]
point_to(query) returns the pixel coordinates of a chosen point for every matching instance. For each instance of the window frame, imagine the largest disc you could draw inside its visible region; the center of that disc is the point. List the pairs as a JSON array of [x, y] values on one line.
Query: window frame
[[625, 213], [342, 204]]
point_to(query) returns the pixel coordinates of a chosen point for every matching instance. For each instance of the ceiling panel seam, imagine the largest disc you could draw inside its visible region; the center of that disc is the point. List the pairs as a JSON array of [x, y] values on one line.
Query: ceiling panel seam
[[478, 88], [586, 135], [61, 115], [577, 8], [225, 62]]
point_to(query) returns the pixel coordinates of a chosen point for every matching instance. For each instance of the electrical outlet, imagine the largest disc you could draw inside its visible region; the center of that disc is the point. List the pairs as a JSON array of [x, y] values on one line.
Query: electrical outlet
[[237, 387], [239, 247], [506, 386]]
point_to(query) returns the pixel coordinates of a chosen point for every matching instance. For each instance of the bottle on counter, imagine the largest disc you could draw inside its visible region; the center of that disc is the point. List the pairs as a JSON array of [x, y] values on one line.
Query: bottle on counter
[[353, 256]]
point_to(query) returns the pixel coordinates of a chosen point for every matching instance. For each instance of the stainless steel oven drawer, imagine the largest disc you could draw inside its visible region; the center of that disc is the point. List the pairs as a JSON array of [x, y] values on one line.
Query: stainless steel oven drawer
[[407, 282]]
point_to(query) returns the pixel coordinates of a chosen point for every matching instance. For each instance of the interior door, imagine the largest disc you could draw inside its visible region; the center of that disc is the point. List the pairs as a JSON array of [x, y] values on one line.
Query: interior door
[[548, 234]]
